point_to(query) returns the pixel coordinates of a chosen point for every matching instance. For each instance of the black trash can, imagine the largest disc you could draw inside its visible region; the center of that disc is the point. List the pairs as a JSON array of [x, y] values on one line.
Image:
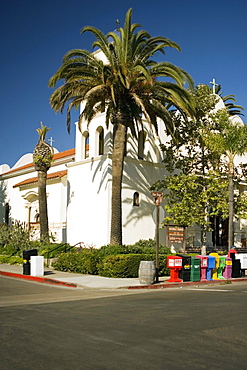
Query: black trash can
[[184, 273], [26, 260]]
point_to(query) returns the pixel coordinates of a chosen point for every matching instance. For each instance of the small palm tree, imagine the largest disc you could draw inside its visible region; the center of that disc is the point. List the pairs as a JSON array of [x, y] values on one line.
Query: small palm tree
[[126, 87], [231, 141], [42, 158]]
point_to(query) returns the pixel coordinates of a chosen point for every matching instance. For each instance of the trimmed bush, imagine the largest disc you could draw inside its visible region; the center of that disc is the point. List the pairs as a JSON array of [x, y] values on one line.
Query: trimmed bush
[[11, 260], [127, 265], [84, 262]]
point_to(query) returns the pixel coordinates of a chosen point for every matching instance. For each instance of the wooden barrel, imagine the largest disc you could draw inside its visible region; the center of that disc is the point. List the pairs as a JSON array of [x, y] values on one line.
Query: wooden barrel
[[147, 272]]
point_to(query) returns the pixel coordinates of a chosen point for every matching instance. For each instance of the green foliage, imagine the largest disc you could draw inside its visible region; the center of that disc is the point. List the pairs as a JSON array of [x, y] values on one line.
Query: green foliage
[[14, 239], [140, 247], [84, 262], [11, 260], [190, 198], [51, 250], [127, 265], [113, 260]]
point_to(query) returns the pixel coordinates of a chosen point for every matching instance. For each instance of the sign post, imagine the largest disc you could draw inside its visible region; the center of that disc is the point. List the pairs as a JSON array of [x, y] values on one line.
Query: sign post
[[157, 198]]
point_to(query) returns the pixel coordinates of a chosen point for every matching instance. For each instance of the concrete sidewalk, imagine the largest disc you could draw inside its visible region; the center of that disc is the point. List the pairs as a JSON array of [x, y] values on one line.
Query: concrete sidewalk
[[93, 281], [70, 279]]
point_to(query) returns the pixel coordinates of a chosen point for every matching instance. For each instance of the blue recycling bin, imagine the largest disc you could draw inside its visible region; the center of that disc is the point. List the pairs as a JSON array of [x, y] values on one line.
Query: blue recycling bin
[[211, 267]]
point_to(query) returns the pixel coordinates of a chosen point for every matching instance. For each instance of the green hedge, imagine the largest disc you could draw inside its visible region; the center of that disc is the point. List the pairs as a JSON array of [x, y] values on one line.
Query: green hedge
[[84, 262], [127, 265], [11, 260], [120, 265]]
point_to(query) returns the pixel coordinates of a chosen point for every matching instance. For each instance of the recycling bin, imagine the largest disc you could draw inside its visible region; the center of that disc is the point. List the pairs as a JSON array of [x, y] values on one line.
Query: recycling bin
[[221, 267], [211, 267], [204, 265], [227, 273], [174, 263], [26, 260], [184, 273], [195, 271], [217, 264]]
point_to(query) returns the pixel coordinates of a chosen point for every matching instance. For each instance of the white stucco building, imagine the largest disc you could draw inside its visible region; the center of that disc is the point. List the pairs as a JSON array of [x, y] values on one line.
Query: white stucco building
[[79, 190], [79, 187]]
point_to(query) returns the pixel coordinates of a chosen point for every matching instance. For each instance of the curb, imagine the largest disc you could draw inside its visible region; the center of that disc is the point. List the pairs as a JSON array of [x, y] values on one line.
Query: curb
[[38, 279], [186, 283]]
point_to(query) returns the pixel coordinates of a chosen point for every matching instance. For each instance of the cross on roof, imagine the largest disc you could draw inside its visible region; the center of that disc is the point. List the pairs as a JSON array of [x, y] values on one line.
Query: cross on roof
[[214, 85], [51, 141]]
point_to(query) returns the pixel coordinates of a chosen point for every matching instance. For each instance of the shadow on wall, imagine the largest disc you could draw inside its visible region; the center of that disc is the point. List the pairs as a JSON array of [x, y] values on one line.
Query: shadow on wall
[[4, 204]]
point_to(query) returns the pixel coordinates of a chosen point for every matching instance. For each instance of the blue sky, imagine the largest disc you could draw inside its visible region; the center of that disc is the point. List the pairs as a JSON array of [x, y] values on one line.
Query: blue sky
[[35, 35]]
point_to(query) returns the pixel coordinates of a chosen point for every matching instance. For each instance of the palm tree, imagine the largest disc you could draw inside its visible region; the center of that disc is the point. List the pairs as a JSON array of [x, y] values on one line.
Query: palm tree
[[42, 158], [229, 101], [126, 88]]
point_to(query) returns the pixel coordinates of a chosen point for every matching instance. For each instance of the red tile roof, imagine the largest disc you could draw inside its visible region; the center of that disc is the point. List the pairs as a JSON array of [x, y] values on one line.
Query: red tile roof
[[60, 155], [54, 175]]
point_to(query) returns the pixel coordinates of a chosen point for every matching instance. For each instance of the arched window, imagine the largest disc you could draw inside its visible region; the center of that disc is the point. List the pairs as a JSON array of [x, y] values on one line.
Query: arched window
[[136, 199], [86, 144], [100, 131], [141, 144]]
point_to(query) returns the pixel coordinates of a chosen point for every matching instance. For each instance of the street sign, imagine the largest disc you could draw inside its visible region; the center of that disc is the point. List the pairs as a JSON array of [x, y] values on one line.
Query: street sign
[[176, 234], [158, 197]]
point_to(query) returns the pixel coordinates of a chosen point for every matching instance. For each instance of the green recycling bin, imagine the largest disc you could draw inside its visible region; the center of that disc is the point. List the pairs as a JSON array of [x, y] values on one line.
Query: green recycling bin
[[221, 267], [195, 269]]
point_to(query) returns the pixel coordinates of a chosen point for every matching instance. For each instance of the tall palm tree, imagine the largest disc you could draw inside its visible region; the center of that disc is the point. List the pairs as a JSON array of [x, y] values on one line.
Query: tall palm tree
[[42, 158], [126, 88]]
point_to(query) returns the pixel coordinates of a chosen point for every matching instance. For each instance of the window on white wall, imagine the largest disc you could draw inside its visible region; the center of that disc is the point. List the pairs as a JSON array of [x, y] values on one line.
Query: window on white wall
[[100, 132], [86, 144], [136, 199]]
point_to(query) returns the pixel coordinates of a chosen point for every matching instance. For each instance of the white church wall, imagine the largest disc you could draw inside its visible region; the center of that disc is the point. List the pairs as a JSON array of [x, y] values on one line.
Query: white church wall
[[88, 202]]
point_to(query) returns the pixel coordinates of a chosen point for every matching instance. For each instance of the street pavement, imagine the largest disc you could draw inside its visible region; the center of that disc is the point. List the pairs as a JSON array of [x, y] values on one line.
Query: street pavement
[[52, 276]]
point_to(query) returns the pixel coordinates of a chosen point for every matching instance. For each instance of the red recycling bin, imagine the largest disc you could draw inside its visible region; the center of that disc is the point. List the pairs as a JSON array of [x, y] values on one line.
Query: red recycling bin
[[174, 263]]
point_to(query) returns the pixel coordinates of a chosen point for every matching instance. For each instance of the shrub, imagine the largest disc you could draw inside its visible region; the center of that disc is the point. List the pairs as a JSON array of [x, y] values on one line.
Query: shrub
[[127, 265], [84, 262], [11, 260], [14, 239]]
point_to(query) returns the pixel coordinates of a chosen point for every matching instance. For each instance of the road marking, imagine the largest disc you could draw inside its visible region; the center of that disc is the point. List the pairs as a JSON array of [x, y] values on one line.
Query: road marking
[[211, 290]]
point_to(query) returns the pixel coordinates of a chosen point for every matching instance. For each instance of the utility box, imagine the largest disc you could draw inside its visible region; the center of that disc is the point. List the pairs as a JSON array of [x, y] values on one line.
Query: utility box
[[26, 260], [37, 265]]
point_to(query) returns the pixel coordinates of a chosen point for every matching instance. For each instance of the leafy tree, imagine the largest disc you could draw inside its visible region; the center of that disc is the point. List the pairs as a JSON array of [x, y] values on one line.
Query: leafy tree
[[204, 153], [129, 87], [42, 158], [230, 140]]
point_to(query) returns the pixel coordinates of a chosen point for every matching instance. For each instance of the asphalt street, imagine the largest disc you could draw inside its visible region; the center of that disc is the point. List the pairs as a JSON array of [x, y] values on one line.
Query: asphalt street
[[46, 327]]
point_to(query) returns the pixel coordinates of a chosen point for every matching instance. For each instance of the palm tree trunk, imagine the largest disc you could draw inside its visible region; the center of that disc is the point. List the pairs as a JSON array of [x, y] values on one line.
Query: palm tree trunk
[[230, 201], [117, 175], [43, 214]]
